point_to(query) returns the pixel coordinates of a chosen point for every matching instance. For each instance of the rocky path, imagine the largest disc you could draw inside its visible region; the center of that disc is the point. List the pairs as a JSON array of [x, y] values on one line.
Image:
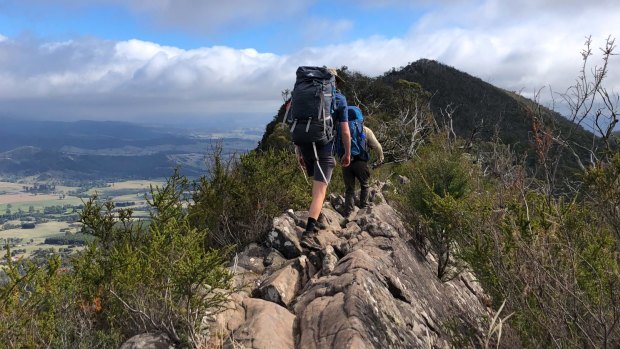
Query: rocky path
[[366, 288]]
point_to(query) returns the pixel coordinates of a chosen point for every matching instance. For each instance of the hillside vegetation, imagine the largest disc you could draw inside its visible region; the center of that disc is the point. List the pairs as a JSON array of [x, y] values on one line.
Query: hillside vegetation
[[543, 243]]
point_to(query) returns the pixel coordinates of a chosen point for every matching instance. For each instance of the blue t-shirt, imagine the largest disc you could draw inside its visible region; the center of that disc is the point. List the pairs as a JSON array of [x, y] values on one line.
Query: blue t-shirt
[[340, 107]]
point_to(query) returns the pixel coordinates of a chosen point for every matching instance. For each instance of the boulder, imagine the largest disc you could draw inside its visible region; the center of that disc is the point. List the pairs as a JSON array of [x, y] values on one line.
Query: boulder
[[274, 261], [284, 236], [284, 285], [329, 260], [252, 257], [252, 323], [267, 326], [148, 341]]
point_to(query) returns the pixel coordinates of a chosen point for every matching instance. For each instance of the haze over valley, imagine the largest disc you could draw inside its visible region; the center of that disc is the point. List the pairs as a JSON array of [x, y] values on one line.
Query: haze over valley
[[110, 149]]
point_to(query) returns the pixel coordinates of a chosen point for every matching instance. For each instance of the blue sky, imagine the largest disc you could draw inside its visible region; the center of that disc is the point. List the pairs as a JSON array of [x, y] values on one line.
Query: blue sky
[[114, 21], [190, 60]]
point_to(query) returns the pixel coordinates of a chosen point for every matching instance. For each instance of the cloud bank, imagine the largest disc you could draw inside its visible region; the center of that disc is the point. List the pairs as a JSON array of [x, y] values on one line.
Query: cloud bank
[[522, 48]]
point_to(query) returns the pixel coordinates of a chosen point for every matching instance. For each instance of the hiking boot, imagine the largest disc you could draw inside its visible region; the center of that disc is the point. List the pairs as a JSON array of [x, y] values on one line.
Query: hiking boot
[[310, 241], [346, 214], [350, 215], [349, 204], [363, 198]]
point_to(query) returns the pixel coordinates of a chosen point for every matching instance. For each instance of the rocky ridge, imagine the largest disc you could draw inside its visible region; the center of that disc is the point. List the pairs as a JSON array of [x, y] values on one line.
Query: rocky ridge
[[367, 288]]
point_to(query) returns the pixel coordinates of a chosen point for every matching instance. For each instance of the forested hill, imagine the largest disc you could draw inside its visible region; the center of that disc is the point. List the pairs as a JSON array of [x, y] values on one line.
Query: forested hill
[[479, 105]]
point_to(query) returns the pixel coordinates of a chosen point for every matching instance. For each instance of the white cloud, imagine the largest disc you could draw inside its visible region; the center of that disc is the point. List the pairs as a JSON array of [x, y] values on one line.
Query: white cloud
[[133, 79], [518, 48], [198, 16]]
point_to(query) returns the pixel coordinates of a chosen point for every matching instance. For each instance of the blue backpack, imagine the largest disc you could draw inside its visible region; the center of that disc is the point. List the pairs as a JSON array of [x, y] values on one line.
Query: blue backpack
[[359, 144]]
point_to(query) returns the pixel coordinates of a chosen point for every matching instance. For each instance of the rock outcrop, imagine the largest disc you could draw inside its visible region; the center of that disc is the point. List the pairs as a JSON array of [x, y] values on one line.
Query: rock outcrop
[[367, 288], [148, 341]]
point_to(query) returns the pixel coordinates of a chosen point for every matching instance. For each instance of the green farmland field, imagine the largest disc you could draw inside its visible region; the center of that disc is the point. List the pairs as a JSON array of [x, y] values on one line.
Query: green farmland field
[[14, 199]]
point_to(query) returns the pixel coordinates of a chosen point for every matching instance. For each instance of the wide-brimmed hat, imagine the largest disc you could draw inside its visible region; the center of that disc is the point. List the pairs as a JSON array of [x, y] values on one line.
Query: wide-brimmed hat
[[334, 72]]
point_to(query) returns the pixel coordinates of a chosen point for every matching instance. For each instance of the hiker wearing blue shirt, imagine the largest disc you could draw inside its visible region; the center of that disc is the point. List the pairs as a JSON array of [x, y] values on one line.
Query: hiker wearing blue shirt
[[358, 169], [319, 162]]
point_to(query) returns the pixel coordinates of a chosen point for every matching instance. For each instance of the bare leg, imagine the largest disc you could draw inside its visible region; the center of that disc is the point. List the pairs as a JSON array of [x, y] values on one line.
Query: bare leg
[[319, 190]]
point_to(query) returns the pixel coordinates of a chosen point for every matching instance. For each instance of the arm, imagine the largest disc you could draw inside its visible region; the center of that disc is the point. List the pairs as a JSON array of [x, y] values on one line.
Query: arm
[[346, 143], [343, 120], [374, 143]]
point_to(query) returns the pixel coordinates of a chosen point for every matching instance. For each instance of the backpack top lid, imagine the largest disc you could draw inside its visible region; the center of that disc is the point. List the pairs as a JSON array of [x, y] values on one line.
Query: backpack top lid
[[312, 73], [354, 113]]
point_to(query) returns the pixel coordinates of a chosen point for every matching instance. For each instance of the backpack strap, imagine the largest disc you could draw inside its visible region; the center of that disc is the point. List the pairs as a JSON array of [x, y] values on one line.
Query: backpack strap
[[318, 163], [321, 112], [289, 106]]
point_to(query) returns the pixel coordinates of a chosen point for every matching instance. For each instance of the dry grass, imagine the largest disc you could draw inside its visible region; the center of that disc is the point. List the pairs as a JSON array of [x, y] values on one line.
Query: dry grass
[[39, 205], [26, 197], [7, 187], [11, 193], [41, 231], [138, 185], [37, 235]]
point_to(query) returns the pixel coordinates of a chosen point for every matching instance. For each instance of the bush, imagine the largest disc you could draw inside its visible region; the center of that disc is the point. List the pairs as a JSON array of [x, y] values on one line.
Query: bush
[[554, 260], [133, 279], [555, 263], [40, 307], [239, 198], [436, 201]]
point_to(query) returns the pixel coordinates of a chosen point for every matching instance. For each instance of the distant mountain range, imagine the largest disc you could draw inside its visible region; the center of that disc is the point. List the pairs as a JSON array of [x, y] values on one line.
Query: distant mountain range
[[107, 149]]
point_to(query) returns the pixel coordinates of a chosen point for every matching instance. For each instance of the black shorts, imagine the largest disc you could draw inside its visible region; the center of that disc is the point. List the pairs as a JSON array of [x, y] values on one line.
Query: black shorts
[[325, 164]]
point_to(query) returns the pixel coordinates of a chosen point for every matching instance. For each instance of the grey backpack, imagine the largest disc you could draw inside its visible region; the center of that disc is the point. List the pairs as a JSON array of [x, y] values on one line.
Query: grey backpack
[[310, 110]]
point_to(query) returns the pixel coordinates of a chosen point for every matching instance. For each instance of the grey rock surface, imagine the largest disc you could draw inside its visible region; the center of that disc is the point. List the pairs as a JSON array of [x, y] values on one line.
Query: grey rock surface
[[148, 341], [283, 285], [284, 236], [252, 323], [367, 288]]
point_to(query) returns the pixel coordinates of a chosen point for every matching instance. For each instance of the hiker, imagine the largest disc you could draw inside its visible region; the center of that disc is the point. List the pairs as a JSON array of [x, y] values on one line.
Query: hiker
[[314, 136], [358, 169]]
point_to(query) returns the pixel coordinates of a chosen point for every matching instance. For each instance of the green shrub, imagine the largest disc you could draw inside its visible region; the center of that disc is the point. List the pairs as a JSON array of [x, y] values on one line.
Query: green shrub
[[133, 278], [239, 198], [39, 308], [553, 260], [436, 203]]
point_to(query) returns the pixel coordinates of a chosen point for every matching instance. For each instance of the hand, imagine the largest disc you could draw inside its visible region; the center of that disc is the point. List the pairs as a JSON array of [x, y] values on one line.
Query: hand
[[346, 160]]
